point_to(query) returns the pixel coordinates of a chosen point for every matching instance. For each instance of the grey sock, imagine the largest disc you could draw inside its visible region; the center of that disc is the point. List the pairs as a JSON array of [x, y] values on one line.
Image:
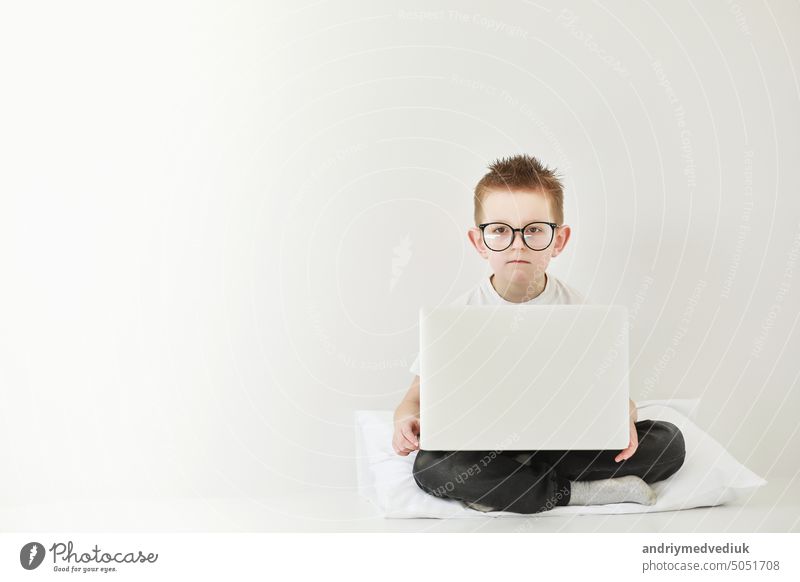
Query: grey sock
[[479, 506], [629, 488]]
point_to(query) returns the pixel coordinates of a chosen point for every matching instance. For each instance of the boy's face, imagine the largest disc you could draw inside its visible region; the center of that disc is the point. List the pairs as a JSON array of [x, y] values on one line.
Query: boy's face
[[518, 263]]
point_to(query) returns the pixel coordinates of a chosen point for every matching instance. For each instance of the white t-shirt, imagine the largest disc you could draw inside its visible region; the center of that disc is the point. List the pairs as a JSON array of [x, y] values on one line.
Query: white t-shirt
[[555, 292]]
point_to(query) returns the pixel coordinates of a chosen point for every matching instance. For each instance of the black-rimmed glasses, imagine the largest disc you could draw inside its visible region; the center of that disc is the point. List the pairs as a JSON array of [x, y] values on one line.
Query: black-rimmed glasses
[[537, 236]]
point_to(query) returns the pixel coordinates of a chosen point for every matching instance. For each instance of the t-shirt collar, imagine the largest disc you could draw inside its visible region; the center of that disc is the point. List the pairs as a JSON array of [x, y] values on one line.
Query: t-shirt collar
[[493, 292]]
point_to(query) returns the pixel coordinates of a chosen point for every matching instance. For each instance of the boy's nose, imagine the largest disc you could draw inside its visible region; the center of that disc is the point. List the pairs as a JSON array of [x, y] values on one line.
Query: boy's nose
[[517, 243]]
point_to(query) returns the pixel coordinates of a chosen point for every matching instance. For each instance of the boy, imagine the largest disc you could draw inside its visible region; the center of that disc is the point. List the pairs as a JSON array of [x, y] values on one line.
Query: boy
[[519, 218]]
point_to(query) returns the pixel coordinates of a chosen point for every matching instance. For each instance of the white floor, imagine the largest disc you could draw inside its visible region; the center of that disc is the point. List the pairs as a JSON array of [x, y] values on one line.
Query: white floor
[[773, 508]]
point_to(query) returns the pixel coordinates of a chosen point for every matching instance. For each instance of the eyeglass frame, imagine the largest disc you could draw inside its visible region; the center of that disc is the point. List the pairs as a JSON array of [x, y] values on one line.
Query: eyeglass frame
[[553, 225]]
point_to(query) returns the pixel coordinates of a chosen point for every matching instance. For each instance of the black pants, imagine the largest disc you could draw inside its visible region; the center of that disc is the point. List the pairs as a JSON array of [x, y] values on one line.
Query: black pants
[[534, 481]]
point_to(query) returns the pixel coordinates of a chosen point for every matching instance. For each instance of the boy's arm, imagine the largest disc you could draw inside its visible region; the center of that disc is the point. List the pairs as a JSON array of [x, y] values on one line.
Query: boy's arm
[[409, 406], [632, 409]]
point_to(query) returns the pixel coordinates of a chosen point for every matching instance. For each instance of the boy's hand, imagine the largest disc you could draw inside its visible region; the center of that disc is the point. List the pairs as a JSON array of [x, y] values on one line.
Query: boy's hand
[[406, 436], [632, 446]]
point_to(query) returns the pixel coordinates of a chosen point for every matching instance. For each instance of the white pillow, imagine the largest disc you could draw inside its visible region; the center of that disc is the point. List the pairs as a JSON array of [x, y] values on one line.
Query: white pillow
[[709, 476]]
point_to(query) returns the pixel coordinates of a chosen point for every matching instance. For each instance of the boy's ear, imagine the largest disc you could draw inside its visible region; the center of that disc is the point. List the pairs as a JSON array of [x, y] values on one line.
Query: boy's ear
[[562, 236], [474, 235]]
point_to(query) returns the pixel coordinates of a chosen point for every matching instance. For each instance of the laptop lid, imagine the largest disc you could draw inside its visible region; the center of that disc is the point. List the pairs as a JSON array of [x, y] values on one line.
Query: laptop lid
[[527, 377]]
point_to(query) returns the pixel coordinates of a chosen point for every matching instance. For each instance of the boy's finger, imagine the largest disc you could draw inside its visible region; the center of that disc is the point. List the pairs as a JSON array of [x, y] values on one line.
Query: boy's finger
[[405, 443], [410, 437], [400, 444]]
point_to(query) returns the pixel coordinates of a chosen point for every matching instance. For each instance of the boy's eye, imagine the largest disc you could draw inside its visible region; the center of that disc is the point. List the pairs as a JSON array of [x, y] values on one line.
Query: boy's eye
[[532, 230], [497, 229]]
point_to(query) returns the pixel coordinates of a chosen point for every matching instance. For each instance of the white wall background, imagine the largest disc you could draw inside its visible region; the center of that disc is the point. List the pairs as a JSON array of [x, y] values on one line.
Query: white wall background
[[218, 221]]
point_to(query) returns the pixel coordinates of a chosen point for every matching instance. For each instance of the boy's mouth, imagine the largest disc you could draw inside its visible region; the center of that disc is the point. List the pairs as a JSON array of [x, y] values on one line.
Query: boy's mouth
[[527, 262]]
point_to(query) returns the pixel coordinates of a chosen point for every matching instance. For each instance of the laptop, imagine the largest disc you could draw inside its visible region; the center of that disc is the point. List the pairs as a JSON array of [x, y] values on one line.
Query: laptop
[[527, 377]]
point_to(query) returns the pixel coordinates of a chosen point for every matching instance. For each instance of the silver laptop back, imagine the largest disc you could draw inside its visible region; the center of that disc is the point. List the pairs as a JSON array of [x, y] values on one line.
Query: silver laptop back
[[528, 377]]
